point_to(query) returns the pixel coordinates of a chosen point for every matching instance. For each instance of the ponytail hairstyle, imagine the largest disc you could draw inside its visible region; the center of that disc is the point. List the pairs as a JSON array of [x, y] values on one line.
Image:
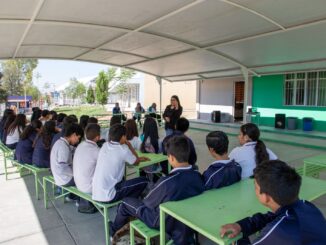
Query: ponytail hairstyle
[[30, 129], [252, 131], [20, 123], [150, 130], [46, 134]]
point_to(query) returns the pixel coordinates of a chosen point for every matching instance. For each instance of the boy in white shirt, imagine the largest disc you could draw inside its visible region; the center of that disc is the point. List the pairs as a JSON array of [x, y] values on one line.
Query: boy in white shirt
[[108, 181], [84, 164], [61, 156]]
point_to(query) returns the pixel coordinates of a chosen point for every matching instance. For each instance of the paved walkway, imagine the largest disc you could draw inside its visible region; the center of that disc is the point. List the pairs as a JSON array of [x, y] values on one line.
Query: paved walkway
[[25, 221]]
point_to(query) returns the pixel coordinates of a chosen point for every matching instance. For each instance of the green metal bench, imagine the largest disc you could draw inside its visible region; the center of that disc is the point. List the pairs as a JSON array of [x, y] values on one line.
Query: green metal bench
[[312, 166], [103, 208], [36, 171], [143, 230], [310, 171], [7, 154]]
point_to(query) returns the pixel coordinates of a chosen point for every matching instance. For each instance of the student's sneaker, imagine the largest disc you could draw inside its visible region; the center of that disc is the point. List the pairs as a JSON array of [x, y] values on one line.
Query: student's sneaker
[[87, 210], [124, 230]]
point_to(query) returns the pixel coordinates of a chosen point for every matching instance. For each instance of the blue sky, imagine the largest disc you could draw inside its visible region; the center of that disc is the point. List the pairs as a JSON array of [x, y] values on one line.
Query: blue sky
[[58, 72]]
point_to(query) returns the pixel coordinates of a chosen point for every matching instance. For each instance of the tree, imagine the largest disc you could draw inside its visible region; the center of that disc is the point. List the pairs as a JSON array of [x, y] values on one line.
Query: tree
[[75, 89], [102, 86], [34, 92], [122, 88], [90, 98], [104, 78], [17, 74], [3, 93]]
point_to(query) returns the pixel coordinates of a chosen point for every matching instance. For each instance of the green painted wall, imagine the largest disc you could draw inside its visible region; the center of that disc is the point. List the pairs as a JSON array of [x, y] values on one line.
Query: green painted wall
[[267, 97]]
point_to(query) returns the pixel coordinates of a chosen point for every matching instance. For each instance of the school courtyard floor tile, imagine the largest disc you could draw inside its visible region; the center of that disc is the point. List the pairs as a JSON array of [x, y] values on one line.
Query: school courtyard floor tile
[[24, 220]]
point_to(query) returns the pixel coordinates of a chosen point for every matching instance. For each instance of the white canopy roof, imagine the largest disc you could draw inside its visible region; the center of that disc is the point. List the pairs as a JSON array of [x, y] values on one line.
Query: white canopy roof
[[174, 39]]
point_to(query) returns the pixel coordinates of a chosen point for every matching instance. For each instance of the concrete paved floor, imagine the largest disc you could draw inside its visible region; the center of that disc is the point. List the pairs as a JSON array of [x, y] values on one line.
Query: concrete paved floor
[[24, 220]]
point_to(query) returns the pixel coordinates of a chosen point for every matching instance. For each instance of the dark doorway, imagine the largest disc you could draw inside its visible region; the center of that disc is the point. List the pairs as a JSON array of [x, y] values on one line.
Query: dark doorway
[[238, 100]]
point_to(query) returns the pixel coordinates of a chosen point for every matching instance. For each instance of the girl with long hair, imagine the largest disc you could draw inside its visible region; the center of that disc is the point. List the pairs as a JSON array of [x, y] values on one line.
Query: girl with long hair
[[132, 134], [171, 114], [15, 130], [151, 144], [252, 151], [24, 148], [6, 114], [137, 114], [10, 119], [42, 145]]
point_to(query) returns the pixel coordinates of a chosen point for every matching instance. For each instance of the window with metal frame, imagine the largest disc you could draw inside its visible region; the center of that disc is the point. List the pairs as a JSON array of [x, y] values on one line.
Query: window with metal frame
[[305, 88]]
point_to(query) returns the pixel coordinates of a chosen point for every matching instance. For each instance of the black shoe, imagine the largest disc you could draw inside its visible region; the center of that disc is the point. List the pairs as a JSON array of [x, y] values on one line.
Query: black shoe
[[87, 210]]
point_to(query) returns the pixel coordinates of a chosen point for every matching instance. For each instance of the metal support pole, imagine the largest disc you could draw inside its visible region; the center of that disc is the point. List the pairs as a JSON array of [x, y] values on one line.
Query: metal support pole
[[246, 90], [159, 80]]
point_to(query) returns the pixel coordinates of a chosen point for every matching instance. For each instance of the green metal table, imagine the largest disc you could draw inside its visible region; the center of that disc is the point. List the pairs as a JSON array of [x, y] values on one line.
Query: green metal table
[[314, 164], [207, 212], [154, 158]]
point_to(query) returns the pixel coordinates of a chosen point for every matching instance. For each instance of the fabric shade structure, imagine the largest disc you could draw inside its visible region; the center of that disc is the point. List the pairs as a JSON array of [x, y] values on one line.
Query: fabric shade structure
[[176, 40]]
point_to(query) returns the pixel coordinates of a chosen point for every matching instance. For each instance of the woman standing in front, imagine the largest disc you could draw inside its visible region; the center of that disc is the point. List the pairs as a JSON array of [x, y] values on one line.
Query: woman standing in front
[[171, 114]]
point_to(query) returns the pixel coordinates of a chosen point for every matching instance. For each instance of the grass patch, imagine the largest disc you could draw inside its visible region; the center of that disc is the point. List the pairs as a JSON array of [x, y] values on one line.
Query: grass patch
[[82, 110]]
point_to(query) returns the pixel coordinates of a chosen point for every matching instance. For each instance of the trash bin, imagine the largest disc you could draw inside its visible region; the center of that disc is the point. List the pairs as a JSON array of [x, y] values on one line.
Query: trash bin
[[307, 123], [292, 123], [216, 116]]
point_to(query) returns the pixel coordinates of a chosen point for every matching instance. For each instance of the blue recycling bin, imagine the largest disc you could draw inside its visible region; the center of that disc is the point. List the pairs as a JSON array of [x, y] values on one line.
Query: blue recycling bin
[[307, 123]]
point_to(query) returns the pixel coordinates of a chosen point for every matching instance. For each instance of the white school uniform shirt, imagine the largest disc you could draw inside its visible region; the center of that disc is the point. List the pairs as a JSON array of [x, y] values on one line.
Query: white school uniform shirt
[[13, 137], [61, 162], [246, 156], [110, 169], [135, 142], [84, 164]]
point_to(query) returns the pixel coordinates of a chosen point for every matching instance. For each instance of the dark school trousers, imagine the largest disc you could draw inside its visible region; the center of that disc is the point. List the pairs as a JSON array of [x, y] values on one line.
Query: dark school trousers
[[130, 188], [133, 207]]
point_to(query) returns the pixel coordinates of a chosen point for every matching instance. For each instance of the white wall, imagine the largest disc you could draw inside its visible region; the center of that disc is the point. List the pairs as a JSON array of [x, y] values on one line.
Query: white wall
[[217, 95]]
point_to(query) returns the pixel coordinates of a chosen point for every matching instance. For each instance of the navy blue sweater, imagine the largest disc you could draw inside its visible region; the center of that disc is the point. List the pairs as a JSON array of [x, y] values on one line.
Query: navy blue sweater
[[192, 155], [180, 184], [299, 223], [222, 173], [24, 149]]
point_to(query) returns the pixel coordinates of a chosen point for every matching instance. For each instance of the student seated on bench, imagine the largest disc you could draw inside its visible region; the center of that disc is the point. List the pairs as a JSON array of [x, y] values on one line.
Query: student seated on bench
[[84, 164], [61, 156], [292, 221], [252, 150], [223, 171], [108, 181], [182, 126], [183, 182], [67, 121], [42, 145], [24, 149]]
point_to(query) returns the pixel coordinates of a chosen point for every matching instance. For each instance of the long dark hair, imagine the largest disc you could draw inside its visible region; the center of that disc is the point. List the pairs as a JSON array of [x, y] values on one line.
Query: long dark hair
[[6, 114], [83, 121], [37, 113], [177, 99], [150, 130], [30, 129], [10, 119], [131, 129], [46, 134], [20, 123], [252, 131]]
